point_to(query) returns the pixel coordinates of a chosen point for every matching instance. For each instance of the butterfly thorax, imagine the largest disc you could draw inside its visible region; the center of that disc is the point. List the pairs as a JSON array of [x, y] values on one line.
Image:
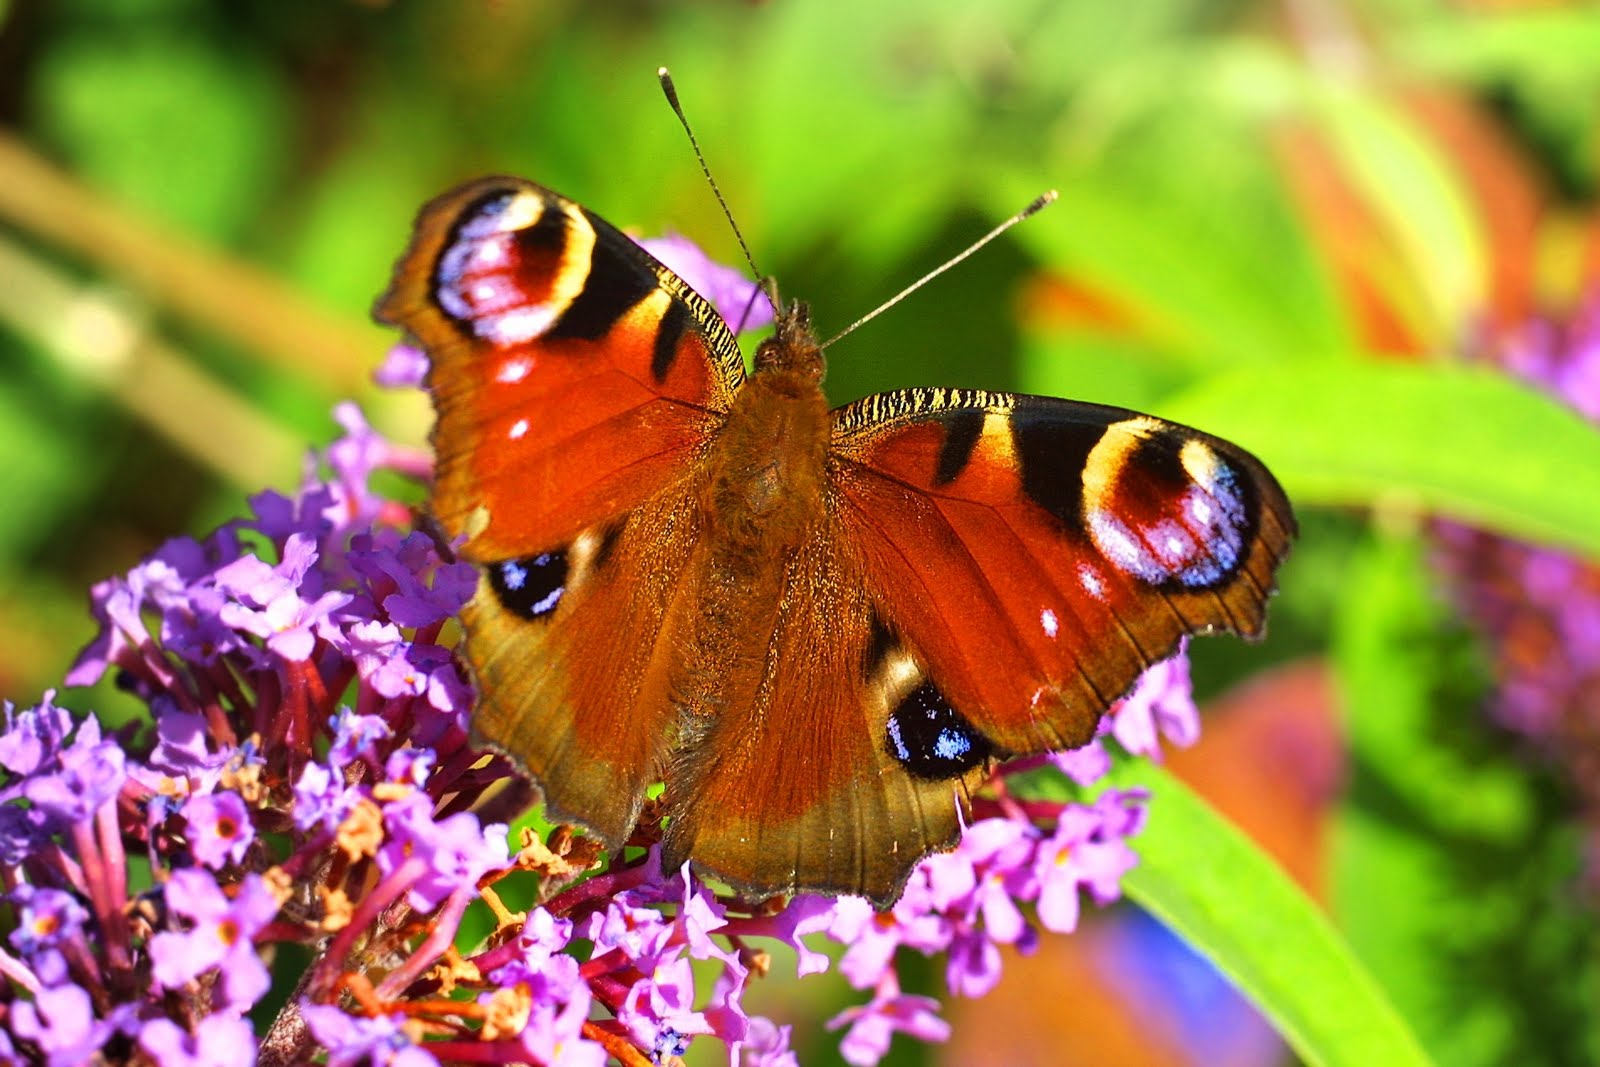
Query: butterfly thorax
[[768, 465]]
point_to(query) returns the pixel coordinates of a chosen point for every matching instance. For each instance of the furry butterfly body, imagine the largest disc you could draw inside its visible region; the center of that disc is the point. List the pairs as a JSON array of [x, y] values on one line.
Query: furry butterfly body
[[819, 627]]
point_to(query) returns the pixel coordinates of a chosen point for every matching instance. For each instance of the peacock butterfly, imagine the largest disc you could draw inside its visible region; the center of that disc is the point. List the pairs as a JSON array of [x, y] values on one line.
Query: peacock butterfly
[[820, 627]]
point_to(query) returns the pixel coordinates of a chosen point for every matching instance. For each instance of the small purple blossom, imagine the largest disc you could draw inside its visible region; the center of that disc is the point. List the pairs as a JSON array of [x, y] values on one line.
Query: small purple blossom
[[85, 776], [352, 1040], [321, 798], [872, 1025], [405, 366], [45, 918], [554, 1036], [218, 1041], [356, 736], [33, 735], [1161, 704], [1088, 850], [60, 1021], [220, 935], [437, 858], [220, 830]]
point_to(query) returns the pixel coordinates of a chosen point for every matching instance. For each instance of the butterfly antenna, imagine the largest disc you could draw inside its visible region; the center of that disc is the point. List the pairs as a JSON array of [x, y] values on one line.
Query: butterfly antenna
[[671, 90], [1034, 208]]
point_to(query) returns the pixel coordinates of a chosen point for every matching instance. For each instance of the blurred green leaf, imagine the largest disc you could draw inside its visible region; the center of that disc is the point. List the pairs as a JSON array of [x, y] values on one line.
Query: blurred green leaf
[[1460, 441], [1535, 43], [1232, 902], [168, 124], [1452, 867]]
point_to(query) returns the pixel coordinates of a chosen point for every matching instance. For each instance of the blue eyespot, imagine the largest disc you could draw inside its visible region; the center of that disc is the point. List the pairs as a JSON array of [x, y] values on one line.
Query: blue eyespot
[[933, 740], [531, 586]]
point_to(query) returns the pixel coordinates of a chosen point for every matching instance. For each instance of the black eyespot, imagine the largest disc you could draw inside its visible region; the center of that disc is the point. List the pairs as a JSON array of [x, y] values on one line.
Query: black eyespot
[[532, 586], [933, 740]]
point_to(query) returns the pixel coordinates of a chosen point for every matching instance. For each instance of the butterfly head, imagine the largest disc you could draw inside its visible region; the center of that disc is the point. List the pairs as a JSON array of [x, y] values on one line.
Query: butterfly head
[[792, 349]]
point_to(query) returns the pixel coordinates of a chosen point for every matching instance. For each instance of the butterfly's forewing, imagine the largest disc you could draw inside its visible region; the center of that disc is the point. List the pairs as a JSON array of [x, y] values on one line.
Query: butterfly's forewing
[[1038, 554], [577, 384]]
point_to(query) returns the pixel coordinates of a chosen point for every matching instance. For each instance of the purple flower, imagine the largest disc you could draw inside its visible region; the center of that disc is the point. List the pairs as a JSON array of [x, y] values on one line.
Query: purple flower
[[220, 936], [350, 1040], [889, 1012], [33, 734], [268, 602], [278, 517], [24, 832], [916, 921], [86, 775], [356, 736], [737, 299], [661, 1006], [45, 918], [543, 964], [182, 744], [1162, 703], [321, 798], [765, 1044], [218, 1041], [404, 366], [220, 830], [61, 1022], [409, 765], [442, 857], [1088, 850], [805, 914], [396, 569], [554, 1035]]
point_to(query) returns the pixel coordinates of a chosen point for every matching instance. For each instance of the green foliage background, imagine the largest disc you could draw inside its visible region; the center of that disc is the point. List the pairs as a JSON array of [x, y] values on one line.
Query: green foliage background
[[198, 203]]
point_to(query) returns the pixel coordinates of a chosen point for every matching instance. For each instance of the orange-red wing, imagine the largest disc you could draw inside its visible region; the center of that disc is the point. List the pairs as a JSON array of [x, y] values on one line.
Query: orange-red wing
[[578, 384], [574, 376], [789, 779], [1038, 554]]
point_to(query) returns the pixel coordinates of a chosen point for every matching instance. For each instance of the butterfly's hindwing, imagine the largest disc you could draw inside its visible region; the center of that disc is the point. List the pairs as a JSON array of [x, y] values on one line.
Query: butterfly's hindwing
[[831, 762]]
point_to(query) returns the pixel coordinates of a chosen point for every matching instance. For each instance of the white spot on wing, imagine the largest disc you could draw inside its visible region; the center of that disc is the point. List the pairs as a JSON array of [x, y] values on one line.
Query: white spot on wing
[[1091, 581], [517, 327], [1047, 619], [514, 370], [518, 429]]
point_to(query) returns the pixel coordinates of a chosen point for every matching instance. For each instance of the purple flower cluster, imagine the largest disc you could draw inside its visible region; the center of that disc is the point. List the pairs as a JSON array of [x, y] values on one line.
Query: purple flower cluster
[[1539, 608], [303, 777]]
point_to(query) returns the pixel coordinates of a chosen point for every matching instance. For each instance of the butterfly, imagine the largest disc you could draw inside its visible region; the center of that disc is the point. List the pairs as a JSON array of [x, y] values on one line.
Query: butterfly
[[820, 627]]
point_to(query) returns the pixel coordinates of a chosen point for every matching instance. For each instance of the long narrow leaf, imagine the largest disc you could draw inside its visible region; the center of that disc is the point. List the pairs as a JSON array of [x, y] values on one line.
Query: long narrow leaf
[[1459, 441], [1222, 894]]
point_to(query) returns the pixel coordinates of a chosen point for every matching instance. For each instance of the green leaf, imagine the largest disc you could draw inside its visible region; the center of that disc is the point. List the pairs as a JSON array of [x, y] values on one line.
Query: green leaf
[[1460, 441], [1215, 888], [1453, 866]]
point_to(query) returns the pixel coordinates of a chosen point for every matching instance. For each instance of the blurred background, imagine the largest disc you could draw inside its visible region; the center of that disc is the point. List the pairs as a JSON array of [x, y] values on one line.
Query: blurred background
[[200, 201]]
